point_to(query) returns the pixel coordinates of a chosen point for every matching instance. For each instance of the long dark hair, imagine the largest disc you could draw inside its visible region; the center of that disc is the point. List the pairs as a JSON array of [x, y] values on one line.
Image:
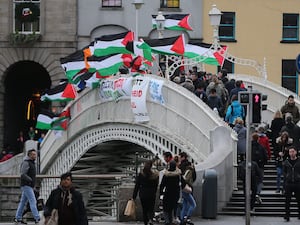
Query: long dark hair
[[147, 168]]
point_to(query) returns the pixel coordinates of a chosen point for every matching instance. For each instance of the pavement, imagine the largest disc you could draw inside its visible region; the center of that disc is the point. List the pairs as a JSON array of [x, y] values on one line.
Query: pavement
[[220, 220]]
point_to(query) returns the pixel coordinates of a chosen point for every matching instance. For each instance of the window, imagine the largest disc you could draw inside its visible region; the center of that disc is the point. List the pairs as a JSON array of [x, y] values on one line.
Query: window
[[289, 77], [111, 3], [290, 27], [27, 16], [227, 27], [169, 4]]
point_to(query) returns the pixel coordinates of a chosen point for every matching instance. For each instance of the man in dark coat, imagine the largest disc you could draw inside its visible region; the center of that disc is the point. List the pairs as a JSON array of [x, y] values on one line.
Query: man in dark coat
[[68, 202], [291, 173]]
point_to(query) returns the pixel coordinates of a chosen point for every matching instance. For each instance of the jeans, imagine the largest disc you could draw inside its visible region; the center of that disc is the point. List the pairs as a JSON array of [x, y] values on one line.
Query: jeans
[[27, 195], [278, 179], [260, 181], [188, 205]]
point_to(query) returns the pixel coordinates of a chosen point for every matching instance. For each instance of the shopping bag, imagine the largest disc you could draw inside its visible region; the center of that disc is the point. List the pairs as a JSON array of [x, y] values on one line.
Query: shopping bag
[[53, 219], [130, 209]]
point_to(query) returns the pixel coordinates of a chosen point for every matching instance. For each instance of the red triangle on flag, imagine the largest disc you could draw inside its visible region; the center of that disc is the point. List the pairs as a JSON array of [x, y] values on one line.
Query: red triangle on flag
[[219, 55], [69, 92], [178, 45], [129, 37], [184, 23], [66, 113]]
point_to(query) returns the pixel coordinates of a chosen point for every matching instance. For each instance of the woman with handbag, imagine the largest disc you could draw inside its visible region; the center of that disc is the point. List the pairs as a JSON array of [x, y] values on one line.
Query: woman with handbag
[[146, 185]]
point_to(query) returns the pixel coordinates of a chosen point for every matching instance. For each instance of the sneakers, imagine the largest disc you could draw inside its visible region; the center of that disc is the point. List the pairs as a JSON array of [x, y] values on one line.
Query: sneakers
[[17, 222], [258, 199], [37, 222], [277, 191], [287, 219]]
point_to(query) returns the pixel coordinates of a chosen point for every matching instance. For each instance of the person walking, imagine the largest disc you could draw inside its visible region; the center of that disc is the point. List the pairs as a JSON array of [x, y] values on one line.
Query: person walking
[[291, 107], [241, 131], [188, 178], [235, 110], [291, 173], [68, 202], [28, 175], [259, 155], [146, 185], [281, 153], [169, 191], [255, 176]]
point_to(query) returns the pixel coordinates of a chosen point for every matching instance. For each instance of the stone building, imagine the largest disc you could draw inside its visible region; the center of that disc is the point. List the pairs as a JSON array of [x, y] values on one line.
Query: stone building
[[35, 34]]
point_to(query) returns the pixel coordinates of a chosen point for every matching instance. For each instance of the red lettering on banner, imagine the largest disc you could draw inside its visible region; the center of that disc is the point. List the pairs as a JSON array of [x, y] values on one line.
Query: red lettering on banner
[[137, 93]]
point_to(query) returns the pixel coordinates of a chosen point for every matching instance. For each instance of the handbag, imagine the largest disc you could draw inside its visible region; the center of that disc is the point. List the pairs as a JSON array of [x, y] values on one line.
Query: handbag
[[53, 220], [187, 189], [130, 209]]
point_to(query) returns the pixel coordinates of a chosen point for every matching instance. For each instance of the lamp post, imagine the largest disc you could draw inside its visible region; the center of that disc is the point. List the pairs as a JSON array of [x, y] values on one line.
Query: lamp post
[[137, 4], [160, 24], [215, 19]]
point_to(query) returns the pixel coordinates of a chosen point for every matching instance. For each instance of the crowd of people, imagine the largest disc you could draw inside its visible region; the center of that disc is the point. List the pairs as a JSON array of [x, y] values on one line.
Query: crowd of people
[[175, 189], [284, 134]]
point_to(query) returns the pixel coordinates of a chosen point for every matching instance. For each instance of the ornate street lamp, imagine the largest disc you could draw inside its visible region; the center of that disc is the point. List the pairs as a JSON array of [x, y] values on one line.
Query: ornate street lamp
[[160, 24], [215, 19], [137, 4]]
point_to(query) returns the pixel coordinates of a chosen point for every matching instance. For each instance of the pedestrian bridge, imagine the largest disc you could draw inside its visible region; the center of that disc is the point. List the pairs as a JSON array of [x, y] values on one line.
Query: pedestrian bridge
[[99, 129]]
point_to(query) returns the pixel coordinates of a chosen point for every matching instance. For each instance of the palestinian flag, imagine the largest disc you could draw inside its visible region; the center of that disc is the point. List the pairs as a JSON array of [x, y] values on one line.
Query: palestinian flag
[[140, 48], [220, 55], [174, 21], [112, 44], [60, 93], [167, 46], [203, 54], [90, 79], [73, 64], [106, 65], [45, 119], [61, 123]]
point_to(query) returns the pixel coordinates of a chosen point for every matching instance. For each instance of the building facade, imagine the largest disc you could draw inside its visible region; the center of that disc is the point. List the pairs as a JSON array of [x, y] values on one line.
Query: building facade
[[266, 31], [33, 36]]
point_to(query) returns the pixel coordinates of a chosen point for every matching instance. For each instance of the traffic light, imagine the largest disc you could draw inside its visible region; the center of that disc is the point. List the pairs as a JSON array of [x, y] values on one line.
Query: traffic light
[[243, 97], [257, 106]]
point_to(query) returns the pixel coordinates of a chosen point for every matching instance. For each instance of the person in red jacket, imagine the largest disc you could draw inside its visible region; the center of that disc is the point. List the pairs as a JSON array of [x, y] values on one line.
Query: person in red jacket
[[264, 140]]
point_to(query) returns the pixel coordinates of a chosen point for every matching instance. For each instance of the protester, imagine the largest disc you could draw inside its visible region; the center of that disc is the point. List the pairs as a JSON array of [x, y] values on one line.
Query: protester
[[146, 185], [170, 191], [241, 131], [28, 174], [68, 202], [188, 178], [259, 155], [281, 152], [291, 173], [255, 177], [290, 107]]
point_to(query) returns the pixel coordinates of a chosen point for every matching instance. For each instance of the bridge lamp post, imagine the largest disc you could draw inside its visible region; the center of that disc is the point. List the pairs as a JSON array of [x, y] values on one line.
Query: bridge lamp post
[[137, 4], [215, 19], [160, 24]]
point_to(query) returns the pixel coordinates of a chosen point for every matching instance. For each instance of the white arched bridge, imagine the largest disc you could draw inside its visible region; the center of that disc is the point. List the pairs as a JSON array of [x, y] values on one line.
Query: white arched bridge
[[106, 137]]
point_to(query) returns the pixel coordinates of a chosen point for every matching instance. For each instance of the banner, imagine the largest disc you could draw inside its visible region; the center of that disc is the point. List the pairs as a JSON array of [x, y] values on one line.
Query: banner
[[106, 90], [138, 99], [155, 87]]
